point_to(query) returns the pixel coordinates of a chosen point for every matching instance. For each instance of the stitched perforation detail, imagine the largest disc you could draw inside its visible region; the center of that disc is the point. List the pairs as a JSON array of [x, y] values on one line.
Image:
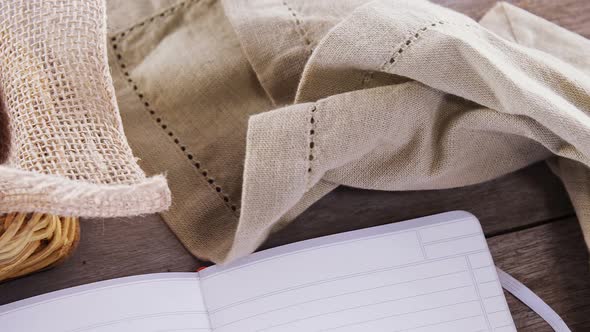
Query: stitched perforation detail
[[408, 43], [299, 26], [166, 12], [399, 50], [312, 144], [160, 121]]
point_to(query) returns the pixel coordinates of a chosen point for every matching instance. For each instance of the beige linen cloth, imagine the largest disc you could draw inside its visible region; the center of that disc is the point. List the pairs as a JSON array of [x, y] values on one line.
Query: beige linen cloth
[[256, 109]]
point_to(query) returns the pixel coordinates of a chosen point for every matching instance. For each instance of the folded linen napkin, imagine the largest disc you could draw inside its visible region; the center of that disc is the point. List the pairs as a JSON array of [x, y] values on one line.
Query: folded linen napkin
[[477, 106], [256, 109]]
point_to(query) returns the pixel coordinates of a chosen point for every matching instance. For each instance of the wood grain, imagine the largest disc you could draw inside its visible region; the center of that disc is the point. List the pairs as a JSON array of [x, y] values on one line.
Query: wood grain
[[553, 262], [109, 248], [573, 15]]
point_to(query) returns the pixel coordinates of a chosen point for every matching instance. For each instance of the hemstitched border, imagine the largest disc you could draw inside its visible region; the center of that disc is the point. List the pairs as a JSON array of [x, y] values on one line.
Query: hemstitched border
[[159, 119]]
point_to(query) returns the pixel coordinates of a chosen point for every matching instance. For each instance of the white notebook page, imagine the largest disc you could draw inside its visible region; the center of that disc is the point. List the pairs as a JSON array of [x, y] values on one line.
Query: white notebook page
[[428, 274], [148, 303]]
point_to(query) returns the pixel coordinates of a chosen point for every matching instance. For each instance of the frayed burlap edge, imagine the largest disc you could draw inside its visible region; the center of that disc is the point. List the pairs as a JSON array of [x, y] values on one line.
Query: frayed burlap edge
[[33, 192]]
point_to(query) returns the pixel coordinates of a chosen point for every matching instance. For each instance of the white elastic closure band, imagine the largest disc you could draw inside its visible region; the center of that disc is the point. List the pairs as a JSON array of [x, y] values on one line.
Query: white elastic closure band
[[526, 296]]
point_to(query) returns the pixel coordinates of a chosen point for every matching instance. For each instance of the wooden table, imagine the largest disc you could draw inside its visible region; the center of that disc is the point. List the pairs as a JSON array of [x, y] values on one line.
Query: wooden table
[[527, 217]]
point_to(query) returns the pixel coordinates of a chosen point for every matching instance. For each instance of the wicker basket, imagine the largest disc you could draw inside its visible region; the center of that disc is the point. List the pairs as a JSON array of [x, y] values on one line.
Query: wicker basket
[[33, 242]]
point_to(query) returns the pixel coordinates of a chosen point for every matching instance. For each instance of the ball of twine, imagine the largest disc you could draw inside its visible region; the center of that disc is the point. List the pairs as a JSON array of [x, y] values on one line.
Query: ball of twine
[[31, 242]]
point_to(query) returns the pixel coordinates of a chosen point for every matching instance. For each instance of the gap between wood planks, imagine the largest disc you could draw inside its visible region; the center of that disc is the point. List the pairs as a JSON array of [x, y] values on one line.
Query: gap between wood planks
[[529, 226]]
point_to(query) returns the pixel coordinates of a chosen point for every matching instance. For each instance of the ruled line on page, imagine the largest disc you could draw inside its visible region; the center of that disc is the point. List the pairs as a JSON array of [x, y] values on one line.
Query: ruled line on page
[[348, 293], [372, 320], [183, 330], [457, 246], [445, 223], [497, 311], [417, 327], [451, 239], [136, 318], [421, 243], [286, 295], [94, 290], [217, 274], [257, 294], [491, 297], [286, 254], [489, 282], [483, 309], [352, 275], [511, 326]]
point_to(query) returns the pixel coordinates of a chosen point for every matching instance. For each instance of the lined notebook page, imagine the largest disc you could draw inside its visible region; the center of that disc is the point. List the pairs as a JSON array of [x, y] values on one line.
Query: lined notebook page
[[149, 303], [427, 274]]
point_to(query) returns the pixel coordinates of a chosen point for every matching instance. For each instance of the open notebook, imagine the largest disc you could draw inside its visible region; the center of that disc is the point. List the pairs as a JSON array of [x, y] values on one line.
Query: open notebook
[[428, 274]]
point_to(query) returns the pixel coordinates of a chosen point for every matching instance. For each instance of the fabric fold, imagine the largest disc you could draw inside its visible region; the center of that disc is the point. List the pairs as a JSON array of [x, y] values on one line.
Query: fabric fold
[[427, 99], [301, 25], [381, 95]]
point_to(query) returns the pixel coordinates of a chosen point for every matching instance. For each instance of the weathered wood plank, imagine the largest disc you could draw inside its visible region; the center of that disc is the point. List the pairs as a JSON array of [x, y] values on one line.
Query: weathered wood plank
[[120, 247], [513, 201], [108, 249], [553, 262], [573, 15]]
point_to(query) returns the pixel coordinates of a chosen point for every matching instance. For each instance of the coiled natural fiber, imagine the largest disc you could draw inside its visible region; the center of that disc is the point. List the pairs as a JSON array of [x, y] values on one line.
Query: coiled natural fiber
[[33, 242]]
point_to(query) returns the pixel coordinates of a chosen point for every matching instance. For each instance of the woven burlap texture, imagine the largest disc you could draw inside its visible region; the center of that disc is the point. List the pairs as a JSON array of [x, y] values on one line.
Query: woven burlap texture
[[258, 108], [67, 152]]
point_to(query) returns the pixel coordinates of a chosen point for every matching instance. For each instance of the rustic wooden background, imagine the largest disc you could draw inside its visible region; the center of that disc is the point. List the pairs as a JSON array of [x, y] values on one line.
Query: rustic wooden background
[[527, 217]]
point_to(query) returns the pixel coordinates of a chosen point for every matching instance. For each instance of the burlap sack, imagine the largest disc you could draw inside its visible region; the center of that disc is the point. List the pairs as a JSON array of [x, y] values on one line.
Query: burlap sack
[[258, 108], [63, 149]]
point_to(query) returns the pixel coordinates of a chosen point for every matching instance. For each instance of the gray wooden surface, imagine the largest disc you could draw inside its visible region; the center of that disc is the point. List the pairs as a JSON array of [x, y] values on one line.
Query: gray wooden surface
[[527, 217], [552, 260]]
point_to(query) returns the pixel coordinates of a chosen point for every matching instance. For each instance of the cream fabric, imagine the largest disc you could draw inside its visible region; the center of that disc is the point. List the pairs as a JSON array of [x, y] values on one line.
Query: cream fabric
[[521, 27], [258, 108], [64, 149]]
